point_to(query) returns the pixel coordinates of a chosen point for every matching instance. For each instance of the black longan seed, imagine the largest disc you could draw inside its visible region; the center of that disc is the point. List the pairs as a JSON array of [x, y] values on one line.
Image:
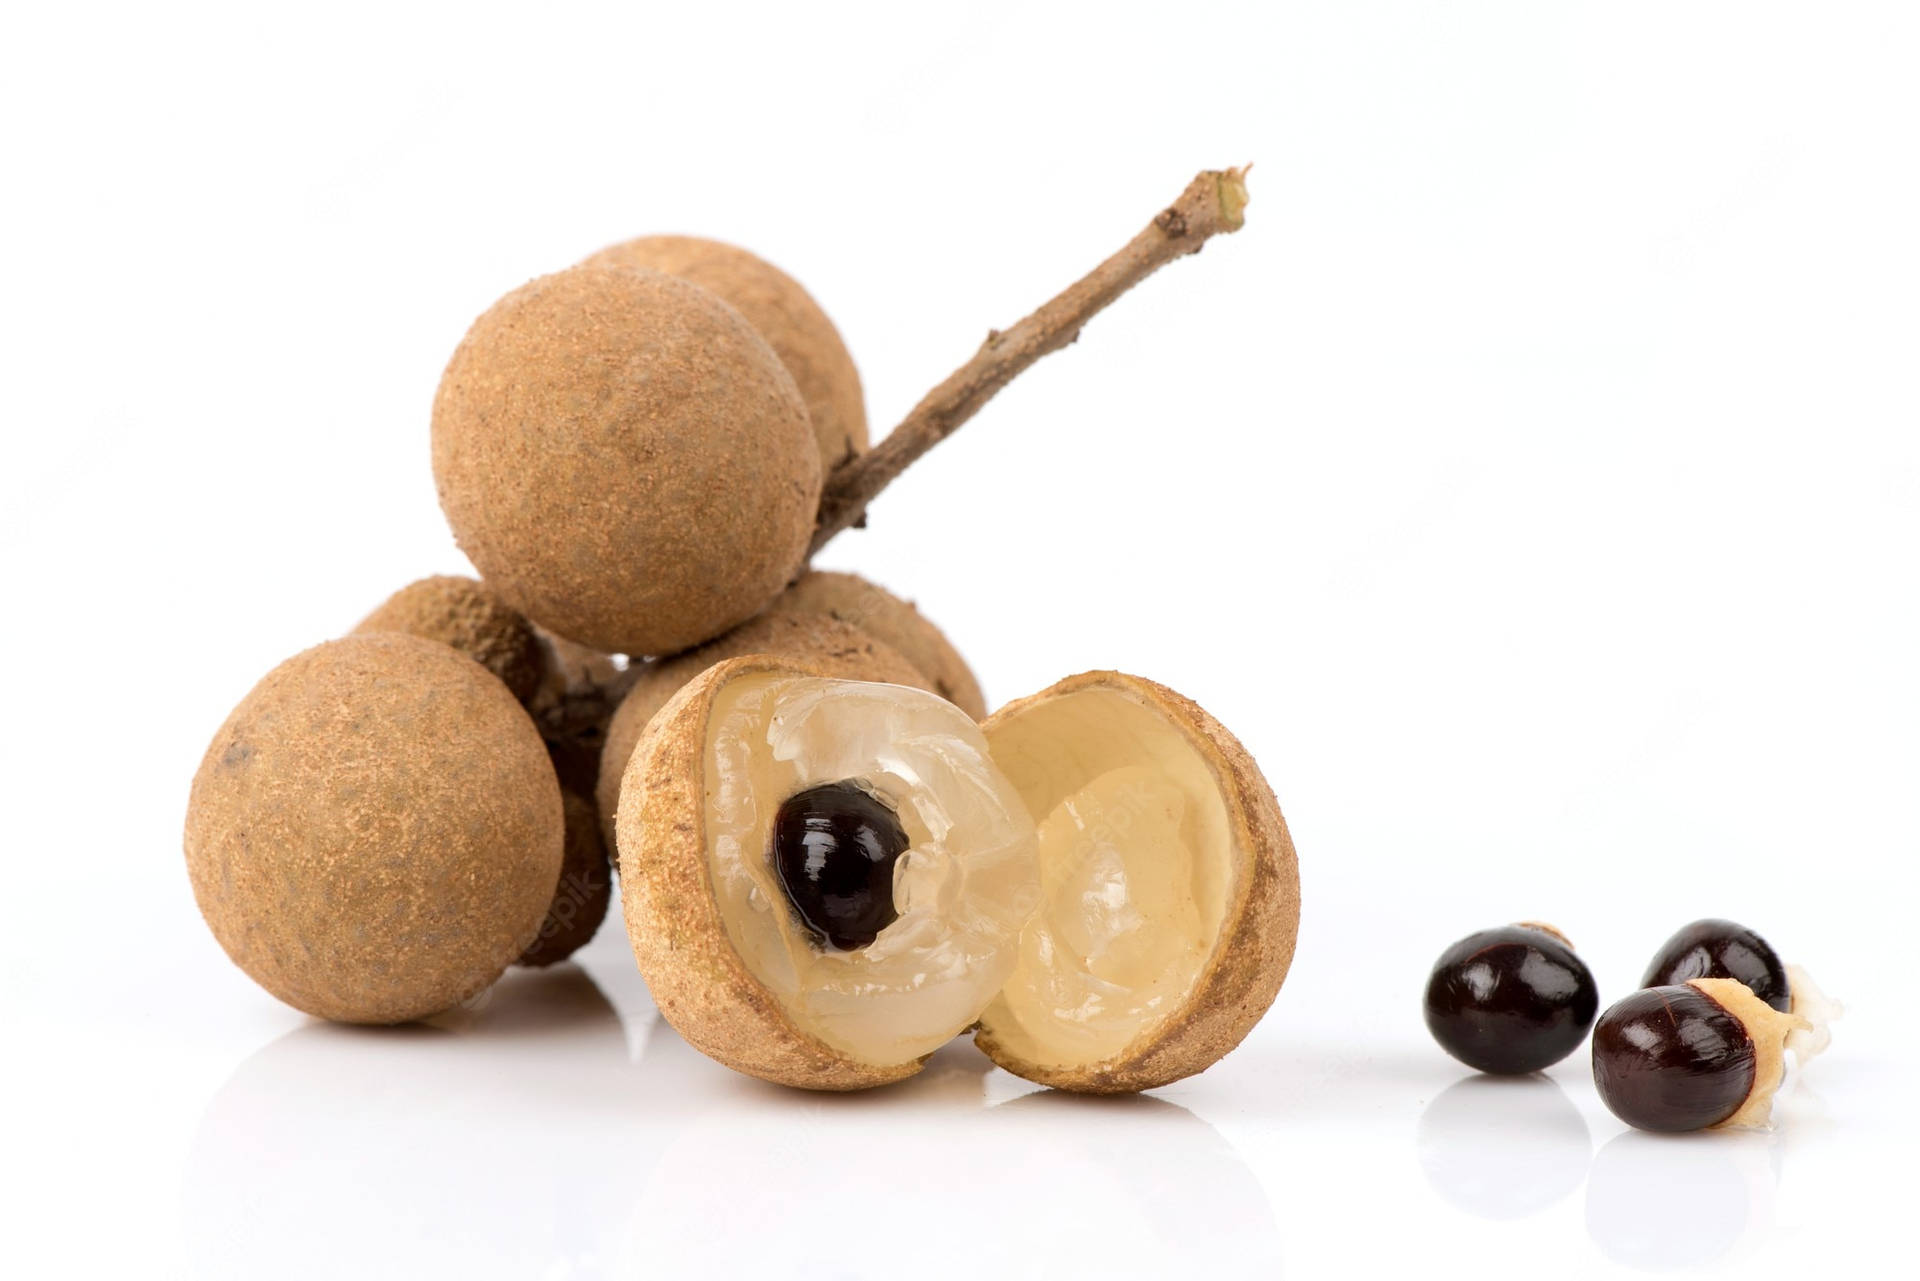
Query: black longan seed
[[1672, 1059], [834, 847], [1716, 949], [1509, 1000]]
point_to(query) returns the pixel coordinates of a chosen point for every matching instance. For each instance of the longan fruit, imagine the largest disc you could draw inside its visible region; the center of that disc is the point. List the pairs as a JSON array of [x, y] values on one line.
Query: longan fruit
[[785, 315], [570, 691], [375, 832], [585, 889], [1106, 892], [461, 612], [728, 964], [625, 460]]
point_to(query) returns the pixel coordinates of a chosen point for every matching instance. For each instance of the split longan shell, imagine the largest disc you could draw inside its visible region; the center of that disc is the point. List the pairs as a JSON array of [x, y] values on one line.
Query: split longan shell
[[784, 314], [706, 992], [697, 979], [832, 647], [375, 832], [896, 622], [625, 460], [461, 612], [1254, 948]]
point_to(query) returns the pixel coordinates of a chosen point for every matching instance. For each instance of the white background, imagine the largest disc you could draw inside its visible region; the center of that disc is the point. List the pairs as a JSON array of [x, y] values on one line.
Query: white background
[[1534, 485]]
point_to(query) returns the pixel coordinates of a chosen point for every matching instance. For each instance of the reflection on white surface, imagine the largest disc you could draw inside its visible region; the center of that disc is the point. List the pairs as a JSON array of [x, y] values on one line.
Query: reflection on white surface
[[1664, 1201], [1503, 1147], [449, 1150], [924, 1178], [521, 1138]]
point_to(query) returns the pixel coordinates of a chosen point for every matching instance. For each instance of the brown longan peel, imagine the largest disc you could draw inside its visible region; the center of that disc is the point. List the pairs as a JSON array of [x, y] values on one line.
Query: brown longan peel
[[781, 312], [625, 460], [375, 833]]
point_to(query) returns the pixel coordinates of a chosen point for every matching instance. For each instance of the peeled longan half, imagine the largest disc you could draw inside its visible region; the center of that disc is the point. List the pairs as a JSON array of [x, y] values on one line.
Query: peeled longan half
[[1171, 896], [884, 616], [461, 612], [784, 314], [716, 923], [826, 879], [625, 460], [833, 647], [375, 833]]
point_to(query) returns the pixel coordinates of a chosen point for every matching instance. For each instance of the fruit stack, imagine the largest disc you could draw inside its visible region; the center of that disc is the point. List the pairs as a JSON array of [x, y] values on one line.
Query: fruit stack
[[831, 860]]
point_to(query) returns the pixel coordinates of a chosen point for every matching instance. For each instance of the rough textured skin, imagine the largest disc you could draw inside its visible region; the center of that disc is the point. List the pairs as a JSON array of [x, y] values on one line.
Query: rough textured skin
[[697, 979], [376, 831], [570, 691], [886, 617], [586, 887], [783, 313], [573, 706], [625, 460], [461, 612], [835, 648], [1262, 921]]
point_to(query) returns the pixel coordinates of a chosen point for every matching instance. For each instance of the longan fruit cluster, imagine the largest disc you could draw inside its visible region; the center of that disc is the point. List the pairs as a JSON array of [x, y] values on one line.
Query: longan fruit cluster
[[832, 859], [632, 451]]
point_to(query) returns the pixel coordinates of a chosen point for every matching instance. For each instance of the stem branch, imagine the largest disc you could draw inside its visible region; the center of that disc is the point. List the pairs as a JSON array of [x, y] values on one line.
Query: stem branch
[[1213, 204]]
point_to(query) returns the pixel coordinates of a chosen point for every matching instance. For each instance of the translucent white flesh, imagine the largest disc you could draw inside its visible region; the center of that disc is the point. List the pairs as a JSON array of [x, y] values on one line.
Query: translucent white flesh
[[1770, 1031], [1137, 870], [966, 885], [1817, 1008]]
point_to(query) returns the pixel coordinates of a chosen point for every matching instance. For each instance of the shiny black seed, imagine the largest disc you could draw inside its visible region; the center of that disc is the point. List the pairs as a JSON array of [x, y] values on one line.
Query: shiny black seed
[[1672, 1059], [1715, 949], [834, 847], [1513, 999]]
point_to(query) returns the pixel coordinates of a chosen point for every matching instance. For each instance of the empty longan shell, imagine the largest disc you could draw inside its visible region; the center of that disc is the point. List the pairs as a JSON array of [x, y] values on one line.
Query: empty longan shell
[[896, 622], [375, 832], [784, 314], [625, 460], [697, 979], [832, 647], [1238, 979], [463, 613], [585, 888]]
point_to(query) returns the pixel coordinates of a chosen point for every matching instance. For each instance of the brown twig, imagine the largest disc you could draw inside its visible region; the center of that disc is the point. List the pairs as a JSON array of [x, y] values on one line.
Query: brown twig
[[1212, 204]]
